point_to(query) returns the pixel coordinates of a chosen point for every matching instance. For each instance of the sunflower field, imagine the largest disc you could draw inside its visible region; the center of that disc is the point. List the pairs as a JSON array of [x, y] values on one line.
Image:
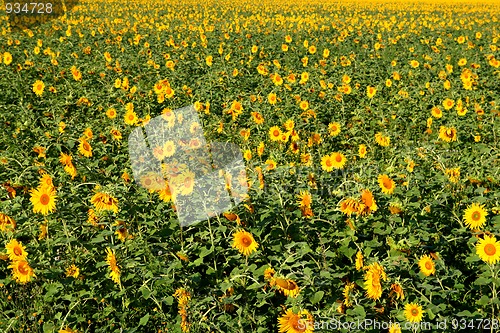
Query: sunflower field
[[370, 133]]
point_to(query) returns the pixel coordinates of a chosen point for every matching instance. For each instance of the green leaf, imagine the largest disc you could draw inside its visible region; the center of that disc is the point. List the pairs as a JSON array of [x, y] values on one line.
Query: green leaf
[[144, 320], [317, 297], [482, 281]]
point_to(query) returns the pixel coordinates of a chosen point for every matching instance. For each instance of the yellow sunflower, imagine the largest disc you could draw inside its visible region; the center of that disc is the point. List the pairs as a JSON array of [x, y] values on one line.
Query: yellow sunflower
[[338, 160], [488, 249], [275, 133], [369, 203], [43, 200], [104, 201], [426, 265], [85, 148], [447, 134], [373, 274], [269, 274], [386, 184], [327, 163], [413, 312], [349, 206], [22, 271], [286, 286], [15, 250], [113, 265], [359, 261], [334, 129], [382, 140], [362, 150], [475, 216], [130, 117], [38, 87], [244, 242], [291, 322], [305, 199], [7, 222], [73, 271]]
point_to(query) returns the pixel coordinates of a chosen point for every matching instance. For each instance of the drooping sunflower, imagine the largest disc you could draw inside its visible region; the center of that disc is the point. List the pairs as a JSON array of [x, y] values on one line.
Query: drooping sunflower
[[359, 261], [257, 118], [113, 265], [73, 271], [287, 287], [22, 271], [85, 148], [16, 250], [397, 289], [275, 133], [447, 134], [387, 185], [369, 203], [488, 249], [349, 206], [43, 200], [475, 216], [7, 222], [374, 273], [291, 322], [244, 242], [382, 140], [104, 201], [413, 312], [426, 265]]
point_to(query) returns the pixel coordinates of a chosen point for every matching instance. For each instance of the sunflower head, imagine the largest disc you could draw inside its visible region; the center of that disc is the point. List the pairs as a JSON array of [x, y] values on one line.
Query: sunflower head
[[413, 312], [244, 242]]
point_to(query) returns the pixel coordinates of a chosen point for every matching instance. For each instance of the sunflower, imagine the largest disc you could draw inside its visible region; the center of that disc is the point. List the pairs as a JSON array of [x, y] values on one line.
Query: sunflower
[[291, 322], [305, 199], [85, 148], [349, 206], [269, 274], [73, 271], [244, 242], [43, 200], [286, 286], [186, 183], [436, 112], [46, 181], [113, 265], [7, 222], [475, 216], [395, 328], [371, 91], [104, 201], [488, 249], [386, 184], [413, 312], [22, 271], [369, 203], [275, 133], [257, 118], [359, 261], [346, 292], [382, 140], [327, 163], [260, 148], [130, 117], [373, 274], [16, 250], [38, 87], [397, 289], [334, 129], [447, 134], [362, 150], [271, 98], [426, 265]]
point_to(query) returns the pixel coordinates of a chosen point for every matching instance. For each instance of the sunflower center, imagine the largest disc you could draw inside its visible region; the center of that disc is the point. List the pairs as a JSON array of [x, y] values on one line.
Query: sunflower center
[[328, 163], [476, 216], [414, 312], [86, 146], [44, 199], [338, 158], [276, 133], [428, 265], [23, 269], [387, 183], [246, 241], [18, 251], [490, 249]]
